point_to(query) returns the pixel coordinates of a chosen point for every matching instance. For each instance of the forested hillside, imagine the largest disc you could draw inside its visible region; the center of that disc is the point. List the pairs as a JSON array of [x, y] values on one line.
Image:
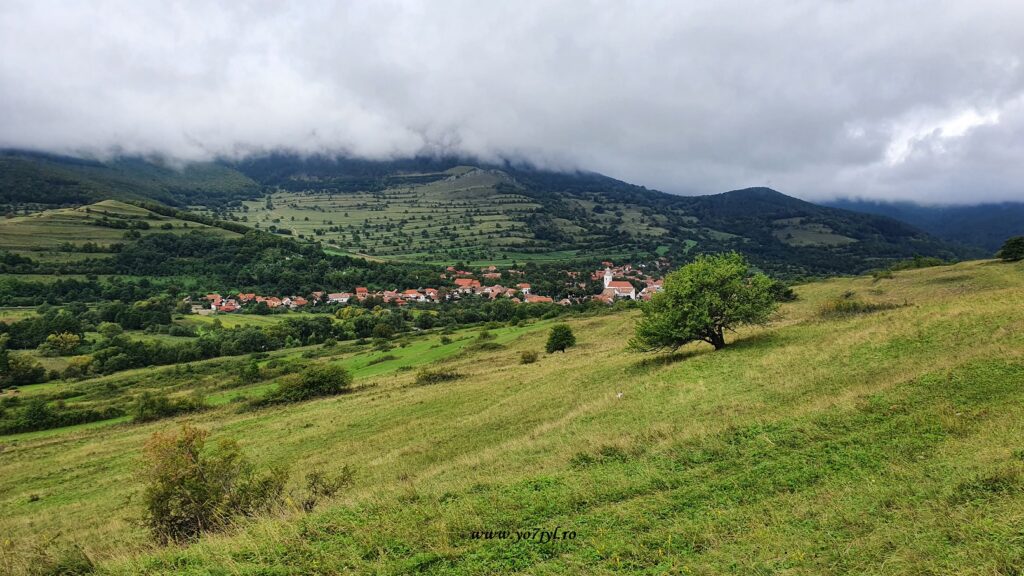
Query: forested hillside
[[457, 210], [986, 225], [51, 180], [452, 210]]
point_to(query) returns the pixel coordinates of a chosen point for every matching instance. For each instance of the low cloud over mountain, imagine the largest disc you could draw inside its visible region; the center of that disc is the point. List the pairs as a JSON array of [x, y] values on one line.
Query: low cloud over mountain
[[911, 101]]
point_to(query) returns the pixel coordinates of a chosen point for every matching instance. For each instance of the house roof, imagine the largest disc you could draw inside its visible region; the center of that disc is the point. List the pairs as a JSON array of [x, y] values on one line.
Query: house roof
[[620, 284]]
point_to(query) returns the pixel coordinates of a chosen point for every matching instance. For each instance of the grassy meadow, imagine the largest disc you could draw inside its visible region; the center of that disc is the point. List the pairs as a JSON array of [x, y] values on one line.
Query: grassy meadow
[[59, 235], [885, 442], [461, 216]]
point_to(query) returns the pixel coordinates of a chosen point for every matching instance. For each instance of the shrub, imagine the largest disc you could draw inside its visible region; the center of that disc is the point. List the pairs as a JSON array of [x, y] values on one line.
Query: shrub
[[63, 561], [320, 485], [426, 377], [528, 357], [560, 338], [1012, 250], [314, 382], [181, 330], [190, 489], [849, 305], [918, 262], [383, 358], [881, 275], [21, 369], [446, 340], [63, 344], [78, 367], [149, 407], [249, 373], [110, 330]]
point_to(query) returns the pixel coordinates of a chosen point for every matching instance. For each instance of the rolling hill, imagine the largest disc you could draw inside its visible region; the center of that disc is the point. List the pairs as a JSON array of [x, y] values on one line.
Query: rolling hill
[[451, 210], [985, 225], [28, 178], [65, 235], [881, 443], [445, 211]]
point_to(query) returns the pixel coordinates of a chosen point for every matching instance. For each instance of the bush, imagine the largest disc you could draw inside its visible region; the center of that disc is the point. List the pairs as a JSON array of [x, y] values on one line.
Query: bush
[[63, 344], [63, 561], [314, 382], [383, 358], [319, 485], [21, 369], [249, 373], [1012, 250], [190, 489], [918, 262], [426, 377], [528, 357], [149, 407], [110, 330], [445, 340], [181, 330], [78, 367], [560, 338], [849, 305]]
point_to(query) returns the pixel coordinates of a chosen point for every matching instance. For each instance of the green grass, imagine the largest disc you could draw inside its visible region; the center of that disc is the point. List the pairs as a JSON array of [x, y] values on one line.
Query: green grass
[[58, 235], [460, 217], [881, 443]]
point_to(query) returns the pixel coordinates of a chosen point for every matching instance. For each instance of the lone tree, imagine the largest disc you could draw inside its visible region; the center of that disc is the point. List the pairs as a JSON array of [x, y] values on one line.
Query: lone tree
[[1012, 250], [561, 337], [702, 300]]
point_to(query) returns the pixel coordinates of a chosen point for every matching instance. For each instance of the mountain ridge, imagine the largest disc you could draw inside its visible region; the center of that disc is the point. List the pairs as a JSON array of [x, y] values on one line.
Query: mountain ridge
[[447, 210], [985, 225]]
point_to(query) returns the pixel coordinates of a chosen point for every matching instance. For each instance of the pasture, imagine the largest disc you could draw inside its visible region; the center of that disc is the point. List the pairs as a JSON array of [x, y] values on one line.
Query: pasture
[[883, 443]]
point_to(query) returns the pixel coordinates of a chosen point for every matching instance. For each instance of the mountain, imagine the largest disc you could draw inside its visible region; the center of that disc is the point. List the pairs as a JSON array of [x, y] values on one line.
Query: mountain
[[52, 180], [986, 226], [455, 209], [452, 210]]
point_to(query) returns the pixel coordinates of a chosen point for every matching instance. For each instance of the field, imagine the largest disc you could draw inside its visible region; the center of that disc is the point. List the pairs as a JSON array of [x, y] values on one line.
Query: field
[[879, 443], [61, 235], [460, 216]]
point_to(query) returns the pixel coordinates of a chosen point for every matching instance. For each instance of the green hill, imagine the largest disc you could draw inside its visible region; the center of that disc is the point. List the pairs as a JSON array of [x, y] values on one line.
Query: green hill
[[983, 225], [444, 211], [881, 443], [43, 179], [66, 235]]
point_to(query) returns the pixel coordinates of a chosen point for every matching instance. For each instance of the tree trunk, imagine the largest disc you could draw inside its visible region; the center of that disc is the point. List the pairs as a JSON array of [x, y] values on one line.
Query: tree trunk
[[717, 339]]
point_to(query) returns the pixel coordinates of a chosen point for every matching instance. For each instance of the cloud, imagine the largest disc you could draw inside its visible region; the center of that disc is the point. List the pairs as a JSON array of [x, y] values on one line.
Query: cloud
[[908, 100]]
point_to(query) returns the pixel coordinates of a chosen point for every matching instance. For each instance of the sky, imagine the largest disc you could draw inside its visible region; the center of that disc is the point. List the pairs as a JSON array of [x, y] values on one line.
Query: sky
[[908, 100]]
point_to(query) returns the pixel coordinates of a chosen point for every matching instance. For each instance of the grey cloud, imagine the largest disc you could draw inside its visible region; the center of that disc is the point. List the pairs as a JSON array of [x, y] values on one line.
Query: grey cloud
[[909, 100]]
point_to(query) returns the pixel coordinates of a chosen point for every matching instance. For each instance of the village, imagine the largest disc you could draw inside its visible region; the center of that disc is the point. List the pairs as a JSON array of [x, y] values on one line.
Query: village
[[619, 282]]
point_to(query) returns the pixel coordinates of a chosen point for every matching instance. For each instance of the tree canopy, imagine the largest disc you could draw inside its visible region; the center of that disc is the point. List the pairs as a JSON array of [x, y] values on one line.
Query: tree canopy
[[560, 338], [701, 301], [1013, 249]]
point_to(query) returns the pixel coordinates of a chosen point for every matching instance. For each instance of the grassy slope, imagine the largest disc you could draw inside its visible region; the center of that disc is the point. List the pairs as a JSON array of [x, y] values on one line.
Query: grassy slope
[[41, 236], [885, 443], [471, 213]]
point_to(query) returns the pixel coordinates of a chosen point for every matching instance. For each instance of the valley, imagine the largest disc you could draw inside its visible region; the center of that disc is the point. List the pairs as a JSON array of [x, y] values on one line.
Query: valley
[[740, 459]]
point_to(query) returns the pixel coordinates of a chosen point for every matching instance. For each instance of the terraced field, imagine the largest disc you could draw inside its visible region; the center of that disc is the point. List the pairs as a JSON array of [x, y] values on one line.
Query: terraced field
[[465, 214], [70, 234]]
